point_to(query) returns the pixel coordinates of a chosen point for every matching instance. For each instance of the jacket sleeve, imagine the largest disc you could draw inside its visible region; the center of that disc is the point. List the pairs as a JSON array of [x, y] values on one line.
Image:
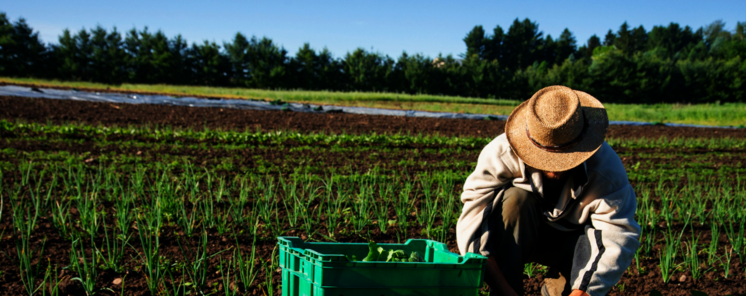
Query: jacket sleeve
[[481, 188], [609, 246]]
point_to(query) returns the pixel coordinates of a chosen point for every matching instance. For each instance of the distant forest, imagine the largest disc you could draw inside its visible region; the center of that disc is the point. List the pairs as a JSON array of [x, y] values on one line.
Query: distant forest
[[632, 65]]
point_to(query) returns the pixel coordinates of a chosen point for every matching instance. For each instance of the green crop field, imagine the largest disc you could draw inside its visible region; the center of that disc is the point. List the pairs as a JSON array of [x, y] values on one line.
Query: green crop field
[[110, 198], [716, 114], [177, 211]]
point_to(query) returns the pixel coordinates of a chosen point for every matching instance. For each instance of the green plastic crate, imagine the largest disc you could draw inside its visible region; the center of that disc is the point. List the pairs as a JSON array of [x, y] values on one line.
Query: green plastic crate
[[316, 269]]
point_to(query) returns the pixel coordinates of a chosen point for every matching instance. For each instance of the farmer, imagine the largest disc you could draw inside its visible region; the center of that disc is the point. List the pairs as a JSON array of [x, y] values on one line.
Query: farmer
[[551, 191]]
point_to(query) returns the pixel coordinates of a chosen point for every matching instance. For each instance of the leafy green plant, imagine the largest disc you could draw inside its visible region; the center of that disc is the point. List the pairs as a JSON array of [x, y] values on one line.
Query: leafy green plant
[[377, 253], [532, 269]]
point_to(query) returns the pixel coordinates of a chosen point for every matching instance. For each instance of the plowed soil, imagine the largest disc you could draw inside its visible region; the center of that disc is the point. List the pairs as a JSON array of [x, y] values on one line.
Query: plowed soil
[[61, 111]]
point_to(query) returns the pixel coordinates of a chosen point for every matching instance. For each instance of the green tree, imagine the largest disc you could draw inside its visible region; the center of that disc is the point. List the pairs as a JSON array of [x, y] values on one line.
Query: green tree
[[21, 51], [494, 48], [715, 32], [548, 51], [208, 66], [108, 58], [481, 78], [366, 71], [74, 53], [237, 57], [586, 51], [418, 73], [565, 48], [476, 42], [154, 58], [315, 71], [267, 64], [674, 39], [609, 39], [522, 45], [740, 31], [630, 41]]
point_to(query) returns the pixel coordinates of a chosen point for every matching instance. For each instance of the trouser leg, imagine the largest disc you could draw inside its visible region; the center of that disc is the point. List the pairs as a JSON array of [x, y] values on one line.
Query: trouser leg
[[516, 227], [557, 250], [520, 236]]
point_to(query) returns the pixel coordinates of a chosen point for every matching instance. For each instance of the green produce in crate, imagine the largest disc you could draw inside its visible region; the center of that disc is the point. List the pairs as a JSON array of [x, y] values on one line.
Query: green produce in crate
[[376, 253], [332, 268]]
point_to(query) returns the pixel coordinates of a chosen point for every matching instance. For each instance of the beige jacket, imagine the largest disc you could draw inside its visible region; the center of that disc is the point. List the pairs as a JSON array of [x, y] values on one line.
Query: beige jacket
[[606, 199]]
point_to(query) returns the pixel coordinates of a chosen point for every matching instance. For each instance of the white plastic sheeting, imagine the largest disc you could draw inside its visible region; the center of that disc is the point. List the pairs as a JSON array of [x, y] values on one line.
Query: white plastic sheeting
[[21, 91]]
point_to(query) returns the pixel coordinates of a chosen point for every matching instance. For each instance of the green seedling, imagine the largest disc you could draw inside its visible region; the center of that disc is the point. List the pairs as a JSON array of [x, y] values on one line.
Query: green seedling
[[726, 265], [224, 267], [532, 269], [86, 270], [246, 272], [197, 261], [713, 246], [736, 235], [269, 267], [691, 258], [54, 286], [112, 255], [667, 255]]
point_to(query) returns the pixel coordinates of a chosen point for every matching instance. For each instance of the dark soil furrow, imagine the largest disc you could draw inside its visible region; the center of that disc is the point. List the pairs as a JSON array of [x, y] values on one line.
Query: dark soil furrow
[[60, 111]]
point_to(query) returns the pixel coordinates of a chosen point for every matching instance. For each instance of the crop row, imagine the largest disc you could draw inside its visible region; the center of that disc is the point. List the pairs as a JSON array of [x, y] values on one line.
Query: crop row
[[188, 212], [169, 134], [320, 160], [118, 220], [281, 152]]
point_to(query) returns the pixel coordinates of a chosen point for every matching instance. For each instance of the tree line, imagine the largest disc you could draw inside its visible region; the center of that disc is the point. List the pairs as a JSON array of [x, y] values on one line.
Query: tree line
[[632, 65]]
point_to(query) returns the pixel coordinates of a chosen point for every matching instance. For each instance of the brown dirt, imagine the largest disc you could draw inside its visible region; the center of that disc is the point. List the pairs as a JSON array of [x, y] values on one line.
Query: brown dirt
[[59, 111]]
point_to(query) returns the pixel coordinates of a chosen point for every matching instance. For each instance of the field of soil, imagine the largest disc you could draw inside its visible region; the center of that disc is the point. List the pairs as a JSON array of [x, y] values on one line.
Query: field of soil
[[318, 159], [59, 111]]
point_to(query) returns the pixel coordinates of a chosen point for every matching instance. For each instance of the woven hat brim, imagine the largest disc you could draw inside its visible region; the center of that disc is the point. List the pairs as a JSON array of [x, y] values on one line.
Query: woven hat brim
[[593, 137]]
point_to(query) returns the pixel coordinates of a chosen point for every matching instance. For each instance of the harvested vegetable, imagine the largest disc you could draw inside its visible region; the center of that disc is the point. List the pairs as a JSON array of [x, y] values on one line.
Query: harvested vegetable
[[376, 253]]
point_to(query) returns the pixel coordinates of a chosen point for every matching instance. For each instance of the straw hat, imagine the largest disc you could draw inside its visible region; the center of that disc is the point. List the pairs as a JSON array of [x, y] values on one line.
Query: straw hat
[[557, 129]]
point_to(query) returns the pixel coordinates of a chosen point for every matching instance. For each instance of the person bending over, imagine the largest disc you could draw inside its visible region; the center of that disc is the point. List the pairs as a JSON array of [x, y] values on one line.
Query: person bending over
[[550, 190]]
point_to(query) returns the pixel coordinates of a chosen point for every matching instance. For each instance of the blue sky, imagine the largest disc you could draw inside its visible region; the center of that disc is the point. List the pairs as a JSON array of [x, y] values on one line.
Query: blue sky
[[389, 27]]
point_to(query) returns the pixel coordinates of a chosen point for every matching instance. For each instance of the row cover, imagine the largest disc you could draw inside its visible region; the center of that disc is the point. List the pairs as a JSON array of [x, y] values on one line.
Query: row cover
[[20, 91]]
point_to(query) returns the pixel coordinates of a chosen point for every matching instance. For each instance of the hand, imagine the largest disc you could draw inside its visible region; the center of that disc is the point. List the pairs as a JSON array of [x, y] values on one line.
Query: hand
[[578, 293], [495, 279]]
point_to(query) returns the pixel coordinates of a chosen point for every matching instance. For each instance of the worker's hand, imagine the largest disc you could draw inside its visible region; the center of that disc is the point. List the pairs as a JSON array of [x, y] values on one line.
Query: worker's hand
[[495, 279], [578, 293]]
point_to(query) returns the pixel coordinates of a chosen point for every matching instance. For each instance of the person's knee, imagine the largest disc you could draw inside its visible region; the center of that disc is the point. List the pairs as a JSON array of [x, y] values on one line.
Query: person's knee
[[517, 203]]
